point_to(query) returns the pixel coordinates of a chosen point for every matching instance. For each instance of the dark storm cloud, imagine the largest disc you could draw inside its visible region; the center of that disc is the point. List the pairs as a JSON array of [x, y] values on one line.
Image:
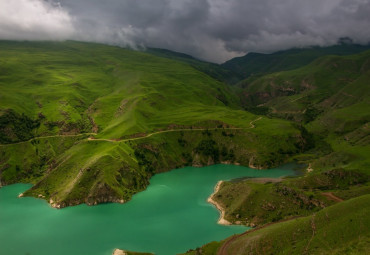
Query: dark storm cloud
[[215, 30]]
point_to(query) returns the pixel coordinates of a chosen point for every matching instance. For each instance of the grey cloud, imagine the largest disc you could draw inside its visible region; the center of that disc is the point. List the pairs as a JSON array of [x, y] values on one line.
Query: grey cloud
[[215, 30], [34, 19], [284, 24]]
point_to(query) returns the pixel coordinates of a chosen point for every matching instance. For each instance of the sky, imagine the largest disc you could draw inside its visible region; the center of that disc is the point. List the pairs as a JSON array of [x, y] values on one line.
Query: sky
[[213, 30]]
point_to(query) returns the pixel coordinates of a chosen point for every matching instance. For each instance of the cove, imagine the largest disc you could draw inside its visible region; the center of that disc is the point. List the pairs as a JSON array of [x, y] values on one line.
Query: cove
[[171, 216]]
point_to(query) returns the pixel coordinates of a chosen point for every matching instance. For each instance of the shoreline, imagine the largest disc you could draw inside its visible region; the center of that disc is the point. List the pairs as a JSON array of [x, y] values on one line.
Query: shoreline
[[111, 199], [119, 252], [221, 220]]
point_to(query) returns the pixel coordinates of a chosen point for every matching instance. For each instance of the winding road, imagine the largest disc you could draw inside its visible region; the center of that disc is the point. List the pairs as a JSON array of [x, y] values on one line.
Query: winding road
[[252, 125]]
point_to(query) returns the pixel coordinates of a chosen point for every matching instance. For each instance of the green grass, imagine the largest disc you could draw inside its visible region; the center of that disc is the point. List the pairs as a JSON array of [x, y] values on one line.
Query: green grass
[[124, 91], [213, 70], [338, 229], [72, 88], [329, 97], [256, 64], [255, 204], [340, 79]]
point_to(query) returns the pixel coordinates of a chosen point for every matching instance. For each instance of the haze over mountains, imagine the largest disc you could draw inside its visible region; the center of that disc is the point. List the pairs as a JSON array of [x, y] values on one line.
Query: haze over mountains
[[214, 30]]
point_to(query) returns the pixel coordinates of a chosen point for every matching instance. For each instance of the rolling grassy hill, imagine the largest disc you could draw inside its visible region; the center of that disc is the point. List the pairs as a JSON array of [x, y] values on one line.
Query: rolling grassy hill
[[214, 70], [70, 84], [338, 229], [256, 202], [92, 123], [329, 99], [257, 64]]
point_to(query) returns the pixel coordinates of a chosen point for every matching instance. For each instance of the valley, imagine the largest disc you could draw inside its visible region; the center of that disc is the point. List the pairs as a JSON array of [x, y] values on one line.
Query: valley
[[88, 123]]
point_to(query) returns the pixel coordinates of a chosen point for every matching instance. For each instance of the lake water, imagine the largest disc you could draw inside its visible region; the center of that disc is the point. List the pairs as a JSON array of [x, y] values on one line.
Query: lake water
[[171, 216]]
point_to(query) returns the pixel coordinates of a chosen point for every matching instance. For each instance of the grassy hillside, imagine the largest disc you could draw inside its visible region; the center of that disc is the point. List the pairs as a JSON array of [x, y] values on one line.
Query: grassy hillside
[[92, 123], [256, 202], [76, 87], [214, 70], [332, 81], [329, 101], [330, 98], [256, 64], [338, 229]]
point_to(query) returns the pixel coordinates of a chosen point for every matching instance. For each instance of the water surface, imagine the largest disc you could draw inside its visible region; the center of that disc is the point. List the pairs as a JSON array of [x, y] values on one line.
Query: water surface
[[171, 216]]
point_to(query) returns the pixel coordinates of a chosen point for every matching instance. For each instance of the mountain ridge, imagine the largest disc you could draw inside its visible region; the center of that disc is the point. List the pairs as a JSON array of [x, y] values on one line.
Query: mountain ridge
[[106, 96], [254, 64]]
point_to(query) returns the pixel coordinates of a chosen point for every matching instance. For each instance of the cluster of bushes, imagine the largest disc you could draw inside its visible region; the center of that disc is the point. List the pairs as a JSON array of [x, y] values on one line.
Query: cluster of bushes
[[307, 141], [224, 133], [188, 158], [82, 125], [298, 197], [226, 154], [182, 142], [146, 158], [208, 148], [311, 114], [333, 179], [261, 110], [15, 127]]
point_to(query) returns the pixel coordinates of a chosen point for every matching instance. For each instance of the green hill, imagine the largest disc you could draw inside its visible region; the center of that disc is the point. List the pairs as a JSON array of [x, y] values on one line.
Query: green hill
[[92, 123], [256, 64], [214, 70], [70, 84], [338, 229], [328, 99], [255, 202]]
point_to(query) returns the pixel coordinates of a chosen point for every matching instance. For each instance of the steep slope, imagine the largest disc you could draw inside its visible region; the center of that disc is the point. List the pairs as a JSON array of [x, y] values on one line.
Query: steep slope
[[338, 229], [327, 83], [254, 64], [99, 121], [329, 100], [214, 70], [255, 202], [330, 97], [68, 85]]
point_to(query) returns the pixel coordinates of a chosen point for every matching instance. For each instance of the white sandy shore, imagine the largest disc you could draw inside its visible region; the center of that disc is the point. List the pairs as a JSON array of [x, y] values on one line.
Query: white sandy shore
[[210, 200], [119, 252]]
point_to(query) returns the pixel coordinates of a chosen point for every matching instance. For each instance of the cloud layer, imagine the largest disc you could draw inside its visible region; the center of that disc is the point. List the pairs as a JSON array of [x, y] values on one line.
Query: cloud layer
[[215, 30], [34, 19]]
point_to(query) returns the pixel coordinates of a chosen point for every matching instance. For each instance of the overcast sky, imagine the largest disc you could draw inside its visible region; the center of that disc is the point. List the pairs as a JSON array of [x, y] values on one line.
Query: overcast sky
[[214, 30]]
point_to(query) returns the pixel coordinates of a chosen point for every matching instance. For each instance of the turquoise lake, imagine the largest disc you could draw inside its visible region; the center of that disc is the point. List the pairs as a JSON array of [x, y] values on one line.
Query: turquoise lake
[[170, 217]]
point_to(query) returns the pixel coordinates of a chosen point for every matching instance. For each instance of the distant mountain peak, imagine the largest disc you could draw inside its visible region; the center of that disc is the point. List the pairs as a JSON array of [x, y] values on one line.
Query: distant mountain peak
[[345, 41]]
